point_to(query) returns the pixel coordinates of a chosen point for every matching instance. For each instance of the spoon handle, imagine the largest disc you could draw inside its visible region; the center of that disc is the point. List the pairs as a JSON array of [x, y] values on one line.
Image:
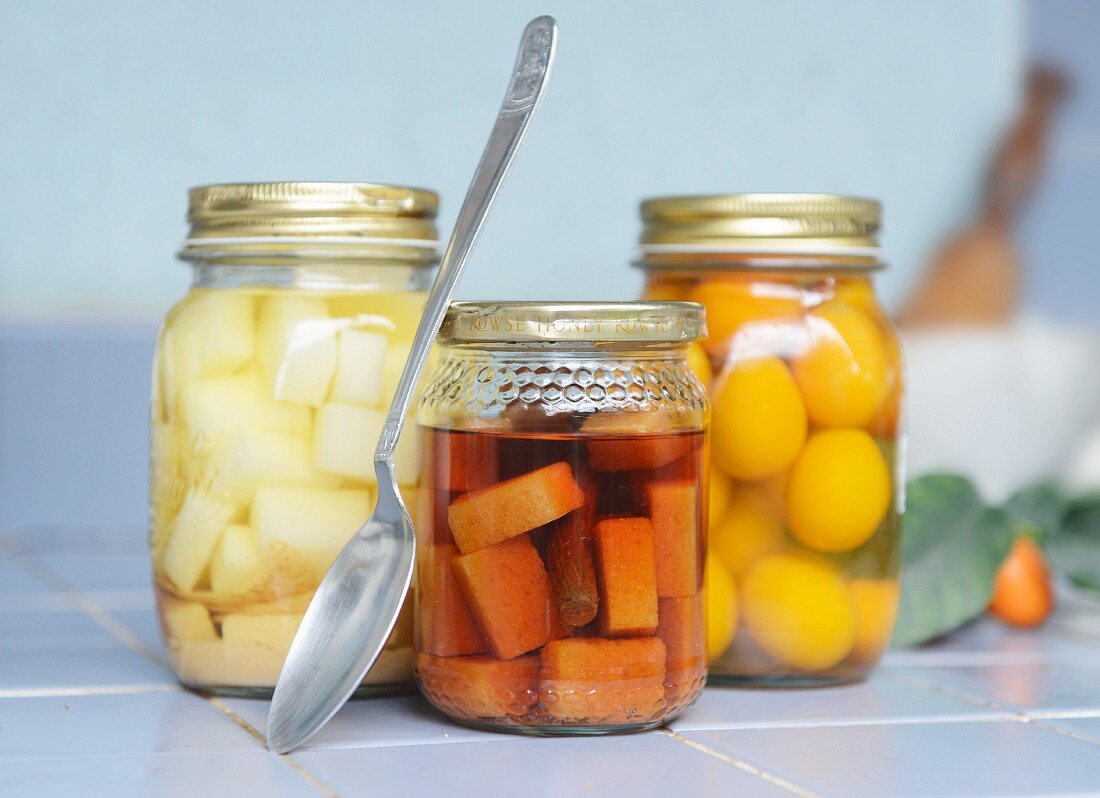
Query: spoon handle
[[533, 62]]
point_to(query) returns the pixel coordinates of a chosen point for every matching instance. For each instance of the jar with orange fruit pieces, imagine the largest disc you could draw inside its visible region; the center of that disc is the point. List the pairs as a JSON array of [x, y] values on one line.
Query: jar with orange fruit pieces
[[807, 396], [561, 565], [271, 381]]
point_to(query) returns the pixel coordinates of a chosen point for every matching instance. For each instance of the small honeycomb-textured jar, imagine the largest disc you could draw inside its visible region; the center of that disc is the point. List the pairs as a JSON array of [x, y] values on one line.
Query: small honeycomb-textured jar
[[560, 518]]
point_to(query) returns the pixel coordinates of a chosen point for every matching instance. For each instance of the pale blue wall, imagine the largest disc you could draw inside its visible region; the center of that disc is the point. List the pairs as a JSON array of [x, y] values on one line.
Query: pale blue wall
[[112, 109], [1059, 233]]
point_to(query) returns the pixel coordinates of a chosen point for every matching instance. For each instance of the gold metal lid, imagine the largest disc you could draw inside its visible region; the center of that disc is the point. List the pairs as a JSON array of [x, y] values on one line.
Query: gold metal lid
[[764, 224], [593, 322], [352, 220]]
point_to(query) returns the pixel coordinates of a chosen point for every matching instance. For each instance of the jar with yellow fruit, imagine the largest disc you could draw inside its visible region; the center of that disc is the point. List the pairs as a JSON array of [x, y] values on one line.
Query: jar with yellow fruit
[[805, 376], [271, 381]]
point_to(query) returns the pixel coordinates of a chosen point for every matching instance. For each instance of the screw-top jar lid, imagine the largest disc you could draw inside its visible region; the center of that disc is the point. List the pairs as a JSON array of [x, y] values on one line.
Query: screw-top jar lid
[[358, 220], [591, 322], [764, 224]]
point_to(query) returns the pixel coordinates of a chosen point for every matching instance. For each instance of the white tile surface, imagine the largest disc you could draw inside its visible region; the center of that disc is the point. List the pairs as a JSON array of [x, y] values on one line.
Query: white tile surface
[[1087, 729], [90, 572], [144, 626], [650, 764], [15, 582], [881, 697], [990, 641], [116, 725], [995, 758], [1034, 688], [52, 630], [373, 722], [172, 776], [986, 711], [73, 669]]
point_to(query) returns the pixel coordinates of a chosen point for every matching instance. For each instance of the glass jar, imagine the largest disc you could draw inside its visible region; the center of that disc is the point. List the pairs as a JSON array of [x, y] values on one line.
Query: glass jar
[[560, 532], [271, 382], [805, 376]]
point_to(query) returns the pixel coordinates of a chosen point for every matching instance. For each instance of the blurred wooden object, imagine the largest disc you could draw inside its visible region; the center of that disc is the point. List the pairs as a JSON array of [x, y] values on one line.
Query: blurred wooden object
[[975, 277]]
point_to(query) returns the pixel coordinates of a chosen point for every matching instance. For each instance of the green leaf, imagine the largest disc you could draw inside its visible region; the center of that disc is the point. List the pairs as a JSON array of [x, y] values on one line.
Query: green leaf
[[1075, 548], [1038, 510], [952, 546]]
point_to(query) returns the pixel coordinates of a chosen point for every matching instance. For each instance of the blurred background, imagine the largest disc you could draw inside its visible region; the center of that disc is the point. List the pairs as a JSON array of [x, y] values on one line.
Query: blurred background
[[112, 110]]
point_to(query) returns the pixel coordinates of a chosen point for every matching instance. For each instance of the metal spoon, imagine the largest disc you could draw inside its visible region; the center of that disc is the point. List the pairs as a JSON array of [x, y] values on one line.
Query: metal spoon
[[355, 607]]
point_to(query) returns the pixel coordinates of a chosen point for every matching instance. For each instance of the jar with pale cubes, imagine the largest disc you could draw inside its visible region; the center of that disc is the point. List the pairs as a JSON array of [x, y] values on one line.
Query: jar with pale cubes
[[804, 373], [271, 382]]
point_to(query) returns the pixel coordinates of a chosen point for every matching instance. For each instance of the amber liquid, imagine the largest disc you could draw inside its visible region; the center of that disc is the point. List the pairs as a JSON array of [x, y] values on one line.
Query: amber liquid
[[537, 620]]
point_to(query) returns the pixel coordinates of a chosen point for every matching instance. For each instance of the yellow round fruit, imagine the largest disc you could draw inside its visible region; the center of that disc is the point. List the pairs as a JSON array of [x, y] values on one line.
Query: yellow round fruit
[[758, 421], [750, 529], [886, 421], [839, 490], [858, 293], [699, 361], [733, 304], [844, 373], [718, 497], [876, 608], [721, 605], [799, 611]]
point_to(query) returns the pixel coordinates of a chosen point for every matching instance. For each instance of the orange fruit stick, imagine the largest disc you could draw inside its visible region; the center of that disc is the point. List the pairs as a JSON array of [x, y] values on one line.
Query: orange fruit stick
[[508, 590], [627, 571], [479, 687], [487, 516], [674, 513], [595, 681], [447, 627]]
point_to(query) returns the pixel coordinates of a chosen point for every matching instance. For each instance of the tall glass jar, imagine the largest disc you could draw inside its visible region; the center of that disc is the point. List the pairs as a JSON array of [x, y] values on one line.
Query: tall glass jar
[[560, 523], [270, 385], [805, 377]]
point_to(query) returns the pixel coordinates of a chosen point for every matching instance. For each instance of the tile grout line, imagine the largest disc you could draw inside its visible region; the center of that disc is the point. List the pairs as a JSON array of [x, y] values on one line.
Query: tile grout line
[[961, 695], [915, 720], [747, 767], [1085, 738], [315, 781], [1018, 715], [31, 565]]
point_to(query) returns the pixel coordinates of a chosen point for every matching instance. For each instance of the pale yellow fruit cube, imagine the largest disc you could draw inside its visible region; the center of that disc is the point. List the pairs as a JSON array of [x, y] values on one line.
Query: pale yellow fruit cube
[[396, 356], [271, 632], [206, 663], [398, 311], [360, 359], [192, 537], [394, 364], [344, 439], [296, 347], [246, 459], [394, 665], [212, 405], [186, 621], [316, 522], [213, 332], [236, 564]]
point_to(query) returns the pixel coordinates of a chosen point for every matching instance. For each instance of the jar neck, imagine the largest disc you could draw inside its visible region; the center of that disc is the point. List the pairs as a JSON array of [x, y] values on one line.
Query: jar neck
[[502, 387], [547, 352], [795, 265], [312, 276]]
